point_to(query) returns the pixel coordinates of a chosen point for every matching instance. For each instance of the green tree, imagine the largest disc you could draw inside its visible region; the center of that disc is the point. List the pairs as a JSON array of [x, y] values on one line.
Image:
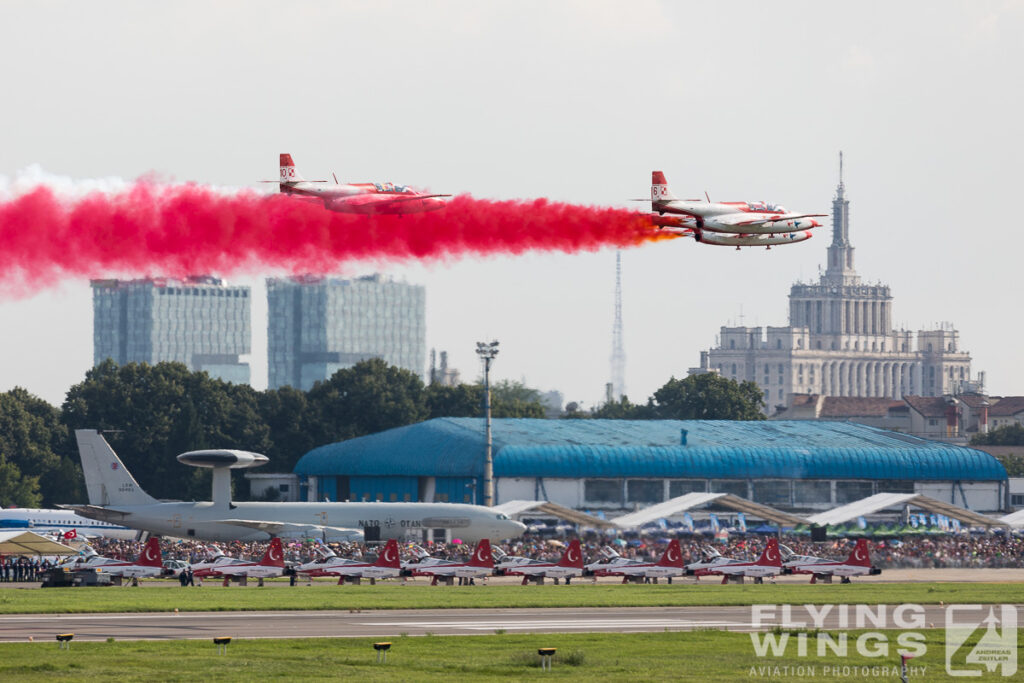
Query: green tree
[[515, 399], [285, 411], [16, 488], [369, 397], [156, 412], [461, 400], [623, 409], [708, 397], [33, 440], [1010, 435]]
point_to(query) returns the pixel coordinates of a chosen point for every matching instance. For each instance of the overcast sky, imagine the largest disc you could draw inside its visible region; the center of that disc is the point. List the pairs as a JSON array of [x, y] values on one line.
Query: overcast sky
[[576, 101]]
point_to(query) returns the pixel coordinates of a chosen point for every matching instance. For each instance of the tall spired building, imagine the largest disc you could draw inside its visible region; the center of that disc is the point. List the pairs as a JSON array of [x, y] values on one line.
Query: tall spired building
[[840, 339]]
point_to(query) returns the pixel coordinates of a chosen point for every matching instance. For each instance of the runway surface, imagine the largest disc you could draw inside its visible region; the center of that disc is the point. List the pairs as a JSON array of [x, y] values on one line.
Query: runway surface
[[390, 623]]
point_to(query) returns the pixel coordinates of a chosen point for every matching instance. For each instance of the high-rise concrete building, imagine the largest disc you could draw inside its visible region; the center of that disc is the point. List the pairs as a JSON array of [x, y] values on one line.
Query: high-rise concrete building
[[317, 326], [840, 340], [200, 322]]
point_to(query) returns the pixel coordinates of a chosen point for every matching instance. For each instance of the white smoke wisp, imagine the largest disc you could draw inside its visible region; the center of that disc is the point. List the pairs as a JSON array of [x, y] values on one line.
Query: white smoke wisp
[[73, 189]]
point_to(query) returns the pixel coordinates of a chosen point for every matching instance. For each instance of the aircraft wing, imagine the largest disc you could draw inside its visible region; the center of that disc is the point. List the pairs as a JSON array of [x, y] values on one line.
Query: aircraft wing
[[290, 529], [97, 512], [740, 219]]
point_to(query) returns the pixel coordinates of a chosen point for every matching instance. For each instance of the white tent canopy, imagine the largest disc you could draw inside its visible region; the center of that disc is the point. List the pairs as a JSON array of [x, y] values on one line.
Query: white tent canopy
[[515, 508], [31, 543], [881, 501], [679, 505], [1015, 519]]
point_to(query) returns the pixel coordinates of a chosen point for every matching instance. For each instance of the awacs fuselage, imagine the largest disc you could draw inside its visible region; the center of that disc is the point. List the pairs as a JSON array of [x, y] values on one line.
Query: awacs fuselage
[[363, 198], [204, 520]]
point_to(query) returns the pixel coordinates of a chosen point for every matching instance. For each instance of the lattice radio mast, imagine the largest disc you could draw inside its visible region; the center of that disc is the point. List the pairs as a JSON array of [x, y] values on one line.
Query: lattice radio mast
[[618, 352]]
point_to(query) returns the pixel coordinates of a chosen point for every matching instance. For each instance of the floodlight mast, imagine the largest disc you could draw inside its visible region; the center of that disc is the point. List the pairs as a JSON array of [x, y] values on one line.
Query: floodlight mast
[[487, 352]]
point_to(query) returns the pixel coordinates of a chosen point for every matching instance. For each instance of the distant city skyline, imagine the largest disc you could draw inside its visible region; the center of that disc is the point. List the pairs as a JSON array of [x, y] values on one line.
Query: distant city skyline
[[573, 101]]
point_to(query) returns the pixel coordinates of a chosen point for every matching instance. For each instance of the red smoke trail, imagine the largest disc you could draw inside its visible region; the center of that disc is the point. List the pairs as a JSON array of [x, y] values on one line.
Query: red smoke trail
[[179, 230]]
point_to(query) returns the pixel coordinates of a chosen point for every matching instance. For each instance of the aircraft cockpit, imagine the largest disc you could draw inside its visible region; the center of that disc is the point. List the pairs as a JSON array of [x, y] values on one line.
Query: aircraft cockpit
[[392, 188], [766, 207]]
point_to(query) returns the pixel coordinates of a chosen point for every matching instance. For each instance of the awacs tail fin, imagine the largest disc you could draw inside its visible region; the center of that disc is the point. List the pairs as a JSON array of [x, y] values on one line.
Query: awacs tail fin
[[106, 478], [482, 555], [659, 188], [150, 555], [673, 556], [573, 555], [289, 174], [771, 557], [861, 556], [274, 557], [389, 557]]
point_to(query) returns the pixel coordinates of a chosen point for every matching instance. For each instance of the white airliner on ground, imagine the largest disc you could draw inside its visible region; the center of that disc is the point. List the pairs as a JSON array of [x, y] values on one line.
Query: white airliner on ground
[[568, 566], [769, 564], [148, 564], [50, 522], [857, 564], [115, 496]]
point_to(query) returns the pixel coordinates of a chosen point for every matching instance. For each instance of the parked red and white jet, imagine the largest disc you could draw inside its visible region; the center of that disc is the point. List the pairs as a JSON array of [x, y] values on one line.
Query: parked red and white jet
[[741, 220], [710, 560], [480, 564], [148, 564], [364, 198], [669, 565], [272, 564], [857, 564], [769, 564], [568, 566], [387, 566]]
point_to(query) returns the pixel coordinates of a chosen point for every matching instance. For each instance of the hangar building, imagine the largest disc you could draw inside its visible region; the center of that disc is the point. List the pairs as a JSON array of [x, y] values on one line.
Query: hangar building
[[623, 465]]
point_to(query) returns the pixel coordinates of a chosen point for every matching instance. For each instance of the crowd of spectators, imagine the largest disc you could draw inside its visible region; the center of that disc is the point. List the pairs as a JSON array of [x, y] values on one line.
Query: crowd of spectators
[[936, 551]]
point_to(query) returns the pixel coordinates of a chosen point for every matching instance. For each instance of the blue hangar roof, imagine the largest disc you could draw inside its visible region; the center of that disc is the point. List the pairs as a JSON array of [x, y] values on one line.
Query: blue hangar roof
[[454, 447]]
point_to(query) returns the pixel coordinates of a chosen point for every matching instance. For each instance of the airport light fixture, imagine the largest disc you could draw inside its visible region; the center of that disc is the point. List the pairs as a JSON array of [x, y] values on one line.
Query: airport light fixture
[[487, 352]]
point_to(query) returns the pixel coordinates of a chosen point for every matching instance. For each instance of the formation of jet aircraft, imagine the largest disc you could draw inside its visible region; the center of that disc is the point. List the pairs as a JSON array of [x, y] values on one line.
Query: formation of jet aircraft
[[730, 224]]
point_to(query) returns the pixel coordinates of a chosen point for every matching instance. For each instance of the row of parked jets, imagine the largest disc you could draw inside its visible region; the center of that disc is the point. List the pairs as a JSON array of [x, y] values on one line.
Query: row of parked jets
[[730, 224], [774, 560]]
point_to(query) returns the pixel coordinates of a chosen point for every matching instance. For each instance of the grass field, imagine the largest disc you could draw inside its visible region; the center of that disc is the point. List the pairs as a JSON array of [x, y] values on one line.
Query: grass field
[[692, 656], [321, 596]]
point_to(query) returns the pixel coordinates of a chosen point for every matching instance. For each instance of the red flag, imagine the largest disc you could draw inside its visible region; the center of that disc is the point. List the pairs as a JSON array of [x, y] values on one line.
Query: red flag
[[68, 535]]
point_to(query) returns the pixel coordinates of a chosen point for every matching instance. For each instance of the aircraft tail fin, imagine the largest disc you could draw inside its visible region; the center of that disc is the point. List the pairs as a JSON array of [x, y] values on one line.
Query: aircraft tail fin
[[274, 557], [389, 557], [659, 188], [861, 555], [771, 557], [573, 555], [150, 555], [107, 480], [673, 556], [482, 555], [289, 174]]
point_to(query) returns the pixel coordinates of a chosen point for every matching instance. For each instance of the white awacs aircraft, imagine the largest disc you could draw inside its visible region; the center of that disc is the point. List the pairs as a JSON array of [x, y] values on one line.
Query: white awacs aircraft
[[115, 496], [857, 564]]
